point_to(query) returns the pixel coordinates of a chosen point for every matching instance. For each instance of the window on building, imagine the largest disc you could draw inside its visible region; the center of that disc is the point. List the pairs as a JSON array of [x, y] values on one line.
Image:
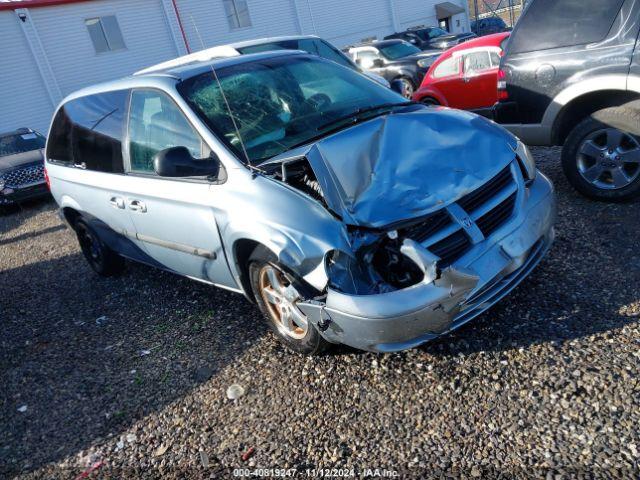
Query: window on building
[[237, 13], [105, 33]]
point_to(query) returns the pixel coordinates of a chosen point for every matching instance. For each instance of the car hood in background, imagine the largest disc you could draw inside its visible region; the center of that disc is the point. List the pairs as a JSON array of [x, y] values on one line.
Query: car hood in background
[[16, 160], [429, 54], [406, 165]]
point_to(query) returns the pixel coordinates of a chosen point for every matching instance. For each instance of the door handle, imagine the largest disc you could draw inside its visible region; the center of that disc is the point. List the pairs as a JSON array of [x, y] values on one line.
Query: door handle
[[117, 202], [137, 206]]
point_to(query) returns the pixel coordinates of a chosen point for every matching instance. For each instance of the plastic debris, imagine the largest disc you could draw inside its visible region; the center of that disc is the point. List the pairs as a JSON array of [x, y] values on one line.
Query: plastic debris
[[119, 445], [144, 352], [235, 391], [101, 320], [247, 455], [161, 450], [90, 470], [22, 409]]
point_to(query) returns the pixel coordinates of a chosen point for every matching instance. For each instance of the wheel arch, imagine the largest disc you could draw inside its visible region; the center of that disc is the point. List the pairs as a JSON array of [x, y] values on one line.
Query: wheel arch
[[583, 106]]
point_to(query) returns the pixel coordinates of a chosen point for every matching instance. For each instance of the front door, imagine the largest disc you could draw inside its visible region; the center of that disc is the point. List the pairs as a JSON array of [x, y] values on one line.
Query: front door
[[175, 219]]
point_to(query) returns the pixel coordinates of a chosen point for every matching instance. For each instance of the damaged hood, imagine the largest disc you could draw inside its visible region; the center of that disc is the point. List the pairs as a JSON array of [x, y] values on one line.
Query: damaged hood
[[406, 165]]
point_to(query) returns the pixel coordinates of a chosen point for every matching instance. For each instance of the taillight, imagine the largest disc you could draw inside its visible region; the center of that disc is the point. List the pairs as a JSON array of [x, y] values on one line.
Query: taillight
[[46, 178], [502, 86]]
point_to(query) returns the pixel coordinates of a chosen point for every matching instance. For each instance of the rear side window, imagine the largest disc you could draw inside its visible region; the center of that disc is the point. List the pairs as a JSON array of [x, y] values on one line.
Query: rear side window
[[550, 24], [88, 131], [477, 62]]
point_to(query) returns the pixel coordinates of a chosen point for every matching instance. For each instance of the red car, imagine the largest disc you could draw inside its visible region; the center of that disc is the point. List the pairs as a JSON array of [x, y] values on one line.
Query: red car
[[465, 76]]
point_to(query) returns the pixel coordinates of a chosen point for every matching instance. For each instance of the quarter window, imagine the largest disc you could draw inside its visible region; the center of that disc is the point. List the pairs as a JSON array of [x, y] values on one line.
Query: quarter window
[[451, 66], [88, 132], [237, 13], [495, 59], [155, 124], [105, 33]]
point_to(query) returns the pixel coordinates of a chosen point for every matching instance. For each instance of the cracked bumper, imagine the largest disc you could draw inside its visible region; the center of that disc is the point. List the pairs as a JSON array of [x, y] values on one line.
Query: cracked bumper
[[490, 270]]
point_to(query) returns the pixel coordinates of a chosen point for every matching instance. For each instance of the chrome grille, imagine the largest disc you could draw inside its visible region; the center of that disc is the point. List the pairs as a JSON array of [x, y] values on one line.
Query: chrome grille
[[489, 207], [23, 176]]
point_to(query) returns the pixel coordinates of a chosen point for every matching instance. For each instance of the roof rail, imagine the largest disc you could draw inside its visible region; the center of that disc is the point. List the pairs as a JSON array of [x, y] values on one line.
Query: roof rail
[[222, 51]]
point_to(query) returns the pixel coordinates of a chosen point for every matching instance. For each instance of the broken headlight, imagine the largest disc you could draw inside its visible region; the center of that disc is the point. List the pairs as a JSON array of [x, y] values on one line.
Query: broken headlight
[[378, 266], [526, 162]]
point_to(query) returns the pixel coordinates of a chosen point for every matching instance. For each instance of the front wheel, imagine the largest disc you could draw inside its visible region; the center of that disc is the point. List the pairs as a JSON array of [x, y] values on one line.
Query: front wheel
[[277, 299], [407, 87], [601, 156]]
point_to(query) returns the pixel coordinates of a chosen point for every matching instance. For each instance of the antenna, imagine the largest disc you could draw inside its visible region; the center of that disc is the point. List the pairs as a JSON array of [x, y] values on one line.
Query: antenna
[[224, 97]]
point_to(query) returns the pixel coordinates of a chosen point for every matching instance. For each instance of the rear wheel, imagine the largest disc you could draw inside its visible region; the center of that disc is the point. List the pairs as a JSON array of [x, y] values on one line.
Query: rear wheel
[[601, 156], [277, 299], [101, 258]]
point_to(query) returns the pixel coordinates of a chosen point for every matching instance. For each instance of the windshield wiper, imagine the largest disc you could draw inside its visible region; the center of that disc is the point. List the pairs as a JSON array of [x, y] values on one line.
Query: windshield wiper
[[356, 115]]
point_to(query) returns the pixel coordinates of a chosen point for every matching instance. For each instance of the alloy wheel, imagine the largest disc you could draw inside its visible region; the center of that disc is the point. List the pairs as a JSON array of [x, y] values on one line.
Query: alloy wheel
[[280, 298], [609, 159]]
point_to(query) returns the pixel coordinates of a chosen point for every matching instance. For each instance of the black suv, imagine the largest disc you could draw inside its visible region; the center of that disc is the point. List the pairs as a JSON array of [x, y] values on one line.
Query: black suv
[[21, 166], [577, 83], [394, 60], [429, 38]]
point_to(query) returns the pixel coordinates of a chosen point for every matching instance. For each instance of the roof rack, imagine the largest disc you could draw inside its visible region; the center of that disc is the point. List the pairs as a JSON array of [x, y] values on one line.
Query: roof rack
[[222, 51]]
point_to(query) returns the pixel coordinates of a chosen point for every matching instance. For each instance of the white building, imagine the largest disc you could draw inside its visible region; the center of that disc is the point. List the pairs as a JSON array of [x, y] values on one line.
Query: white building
[[49, 48]]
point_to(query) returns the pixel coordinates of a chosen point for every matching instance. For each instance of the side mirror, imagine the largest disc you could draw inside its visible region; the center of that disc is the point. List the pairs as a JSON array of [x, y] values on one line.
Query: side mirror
[[398, 87], [178, 162], [377, 63]]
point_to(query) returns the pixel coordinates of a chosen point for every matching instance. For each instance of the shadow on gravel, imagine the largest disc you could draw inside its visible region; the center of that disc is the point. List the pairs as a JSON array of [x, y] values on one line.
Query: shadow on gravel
[[89, 356]]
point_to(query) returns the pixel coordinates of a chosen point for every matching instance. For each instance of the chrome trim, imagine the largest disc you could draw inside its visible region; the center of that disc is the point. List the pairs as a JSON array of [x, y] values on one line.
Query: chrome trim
[[180, 247]]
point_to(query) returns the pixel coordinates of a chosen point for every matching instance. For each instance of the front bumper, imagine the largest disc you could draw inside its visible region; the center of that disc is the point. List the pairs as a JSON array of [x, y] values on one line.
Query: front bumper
[[9, 196], [490, 270]]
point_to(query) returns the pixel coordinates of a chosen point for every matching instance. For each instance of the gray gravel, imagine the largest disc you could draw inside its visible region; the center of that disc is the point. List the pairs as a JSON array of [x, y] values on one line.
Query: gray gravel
[[133, 372]]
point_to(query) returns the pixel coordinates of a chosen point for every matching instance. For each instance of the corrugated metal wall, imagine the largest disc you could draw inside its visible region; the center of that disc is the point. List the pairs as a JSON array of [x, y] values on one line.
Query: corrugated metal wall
[[71, 55], [24, 101]]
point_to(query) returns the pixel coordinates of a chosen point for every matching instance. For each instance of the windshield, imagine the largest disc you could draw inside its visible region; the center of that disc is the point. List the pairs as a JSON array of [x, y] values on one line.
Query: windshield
[[398, 50], [278, 103], [431, 33], [20, 143]]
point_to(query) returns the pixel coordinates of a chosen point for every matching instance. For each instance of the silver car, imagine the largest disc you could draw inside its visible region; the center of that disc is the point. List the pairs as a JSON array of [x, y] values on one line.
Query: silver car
[[347, 214]]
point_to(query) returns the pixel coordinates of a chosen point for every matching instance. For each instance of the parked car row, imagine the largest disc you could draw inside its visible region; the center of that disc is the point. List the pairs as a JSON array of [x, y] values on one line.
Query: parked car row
[[429, 38]]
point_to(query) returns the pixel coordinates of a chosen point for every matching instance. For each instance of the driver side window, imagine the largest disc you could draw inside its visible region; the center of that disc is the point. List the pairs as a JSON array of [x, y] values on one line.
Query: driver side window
[[155, 124]]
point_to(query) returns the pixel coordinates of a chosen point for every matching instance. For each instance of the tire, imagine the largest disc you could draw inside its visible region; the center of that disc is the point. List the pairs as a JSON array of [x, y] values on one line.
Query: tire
[[408, 87], [307, 341], [104, 261], [597, 154], [430, 101]]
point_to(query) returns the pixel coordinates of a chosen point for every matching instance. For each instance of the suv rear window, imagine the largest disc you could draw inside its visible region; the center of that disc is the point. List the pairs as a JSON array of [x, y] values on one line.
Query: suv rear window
[[550, 24], [89, 130]]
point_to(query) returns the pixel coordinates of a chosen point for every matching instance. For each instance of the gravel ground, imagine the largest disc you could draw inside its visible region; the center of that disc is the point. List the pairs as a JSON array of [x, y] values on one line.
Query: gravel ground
[[132, 372]]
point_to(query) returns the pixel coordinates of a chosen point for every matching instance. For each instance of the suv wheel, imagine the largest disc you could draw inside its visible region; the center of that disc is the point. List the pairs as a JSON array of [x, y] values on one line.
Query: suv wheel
[[407, 87], [601, 156], [102, 259], [277, 298]]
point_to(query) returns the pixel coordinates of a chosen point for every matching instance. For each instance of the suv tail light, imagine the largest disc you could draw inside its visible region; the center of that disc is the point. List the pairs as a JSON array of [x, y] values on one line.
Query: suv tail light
[[502, 86], [46, 178]]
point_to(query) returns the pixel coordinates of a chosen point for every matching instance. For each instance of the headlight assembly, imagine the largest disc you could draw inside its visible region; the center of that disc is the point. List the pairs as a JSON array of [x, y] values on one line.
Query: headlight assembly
[[526, 162]]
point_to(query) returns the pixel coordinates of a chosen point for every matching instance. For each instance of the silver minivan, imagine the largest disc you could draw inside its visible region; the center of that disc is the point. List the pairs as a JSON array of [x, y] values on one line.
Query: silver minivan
[[346, 213]]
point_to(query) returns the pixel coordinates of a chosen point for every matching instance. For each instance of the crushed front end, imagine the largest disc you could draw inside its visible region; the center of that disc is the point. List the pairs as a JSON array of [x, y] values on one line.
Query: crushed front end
[[418, 281]]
